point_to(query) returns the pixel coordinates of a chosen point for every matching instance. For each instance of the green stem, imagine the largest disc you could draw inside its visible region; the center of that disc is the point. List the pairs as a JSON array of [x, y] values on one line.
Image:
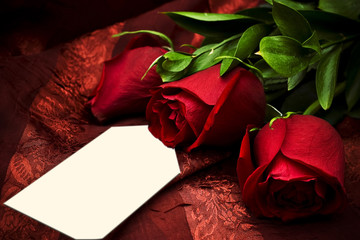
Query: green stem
[[315, 106]]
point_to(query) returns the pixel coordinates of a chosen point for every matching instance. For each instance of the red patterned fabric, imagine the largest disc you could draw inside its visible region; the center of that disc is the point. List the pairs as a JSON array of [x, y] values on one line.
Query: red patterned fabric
[[49, 68]]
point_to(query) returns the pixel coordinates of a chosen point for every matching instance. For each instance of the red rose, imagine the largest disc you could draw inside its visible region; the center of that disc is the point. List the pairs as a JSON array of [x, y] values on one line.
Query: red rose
[[205, 108], [121, 90], [300, 169]]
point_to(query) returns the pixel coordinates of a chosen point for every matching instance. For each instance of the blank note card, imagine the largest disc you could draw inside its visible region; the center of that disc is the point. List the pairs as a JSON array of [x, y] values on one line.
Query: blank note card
[[95, 189]]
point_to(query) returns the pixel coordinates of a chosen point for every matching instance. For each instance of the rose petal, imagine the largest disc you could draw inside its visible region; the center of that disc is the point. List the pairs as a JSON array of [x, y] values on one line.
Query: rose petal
[[259, 194], [329, 196], [285, 169], [160, 112], [268, 142], [245, 165], [169, 135], [121, 90], [184, 136], [336, 200], [152, 112], [295, 199], [206, 85], [291, 184], [316, 143], [254, 193], [195, 110], [238, 97], [321, 189], [242, 102]]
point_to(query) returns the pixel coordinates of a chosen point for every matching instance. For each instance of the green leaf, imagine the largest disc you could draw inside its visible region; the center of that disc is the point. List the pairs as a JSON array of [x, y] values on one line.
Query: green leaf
[[330, 26], [208, 58], [159, 34], [266, 70], [293, 81], [278, 85], [189, 46], [213, 24], [175, 61], [271, 79], [326, 76], [352, 77], [314, 62], [205, 48], [212, 46], [296, 5], [348, 8], [208, 17], [285, 55], [241, 61], [262, 14], [152, 64], [275, 84], [226, 64], [168, 76], [248, 42], [313, 43], [176, 56], [291, 23]]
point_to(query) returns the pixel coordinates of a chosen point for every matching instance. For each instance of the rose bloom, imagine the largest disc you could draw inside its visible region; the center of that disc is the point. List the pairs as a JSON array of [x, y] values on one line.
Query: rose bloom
[[206, 109], [299, 169], [121, 90]]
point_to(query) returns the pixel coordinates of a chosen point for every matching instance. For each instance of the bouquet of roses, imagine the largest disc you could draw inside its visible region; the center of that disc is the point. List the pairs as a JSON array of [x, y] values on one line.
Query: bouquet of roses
[[299, 58]]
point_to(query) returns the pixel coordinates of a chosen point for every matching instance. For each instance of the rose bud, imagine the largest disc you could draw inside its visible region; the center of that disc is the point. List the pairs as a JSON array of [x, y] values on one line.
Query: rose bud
[[121, 90], [206, 109], [298, 172]]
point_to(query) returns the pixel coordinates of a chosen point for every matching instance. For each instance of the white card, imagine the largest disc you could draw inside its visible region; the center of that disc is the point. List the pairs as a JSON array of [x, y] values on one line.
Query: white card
[[94, 190]]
